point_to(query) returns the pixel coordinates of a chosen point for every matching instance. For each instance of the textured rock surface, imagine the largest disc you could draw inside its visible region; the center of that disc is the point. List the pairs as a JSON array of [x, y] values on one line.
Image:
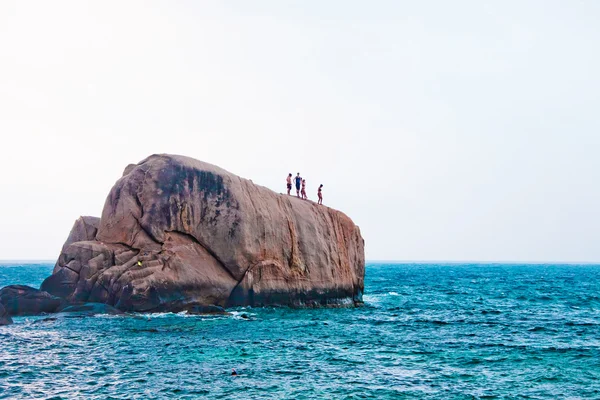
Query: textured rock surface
[[5, 319], [25, 300], [84, 228], [177, 233]]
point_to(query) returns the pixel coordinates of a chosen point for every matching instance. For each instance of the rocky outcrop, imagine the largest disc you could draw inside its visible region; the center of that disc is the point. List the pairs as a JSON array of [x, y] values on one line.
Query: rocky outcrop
[[25, 300], [84, 228], [65, 275], [177, 233], [5, 319]]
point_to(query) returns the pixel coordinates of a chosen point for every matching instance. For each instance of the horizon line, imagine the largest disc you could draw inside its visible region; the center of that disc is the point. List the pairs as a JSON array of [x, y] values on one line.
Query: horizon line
[[536, 262], [380, 261]]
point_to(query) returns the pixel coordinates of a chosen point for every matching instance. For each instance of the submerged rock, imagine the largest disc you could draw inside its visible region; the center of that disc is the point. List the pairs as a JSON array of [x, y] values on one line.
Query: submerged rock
[[25, 300], [91, 309], [207, 310], [5, 319], [176, 232]]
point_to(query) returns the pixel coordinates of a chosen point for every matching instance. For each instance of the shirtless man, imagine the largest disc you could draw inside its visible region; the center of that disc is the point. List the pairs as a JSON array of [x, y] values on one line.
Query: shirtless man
[[289, 183], [298, 181], [303, 191], [320, 194]]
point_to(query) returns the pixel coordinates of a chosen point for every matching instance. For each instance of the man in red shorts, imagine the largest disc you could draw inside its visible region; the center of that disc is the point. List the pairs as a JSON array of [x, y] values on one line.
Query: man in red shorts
[[320, 194], [289, 183]]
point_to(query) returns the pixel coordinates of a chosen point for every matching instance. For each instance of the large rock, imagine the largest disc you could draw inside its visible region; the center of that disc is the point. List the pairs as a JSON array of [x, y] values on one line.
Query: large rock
[[25, 300], [177, 233], [5, 319]]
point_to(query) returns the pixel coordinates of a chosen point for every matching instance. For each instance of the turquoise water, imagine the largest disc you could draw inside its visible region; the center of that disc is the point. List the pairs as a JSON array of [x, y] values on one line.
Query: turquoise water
[[426, 331]]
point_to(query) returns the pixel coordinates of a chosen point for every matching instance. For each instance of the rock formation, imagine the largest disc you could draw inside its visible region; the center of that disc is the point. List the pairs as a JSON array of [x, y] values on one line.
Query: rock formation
[[25, 300], [178, 234], [5, 319]]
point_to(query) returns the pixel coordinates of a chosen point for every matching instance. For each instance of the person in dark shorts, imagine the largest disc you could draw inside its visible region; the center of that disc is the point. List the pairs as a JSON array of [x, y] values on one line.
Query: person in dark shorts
[[303, 191], [289, 183], [298, 181], [320, 194]]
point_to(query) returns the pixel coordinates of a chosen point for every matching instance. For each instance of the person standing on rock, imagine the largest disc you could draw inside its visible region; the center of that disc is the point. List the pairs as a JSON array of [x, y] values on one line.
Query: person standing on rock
[[289, 183], [320, 194], [303, 191], [298, 181]]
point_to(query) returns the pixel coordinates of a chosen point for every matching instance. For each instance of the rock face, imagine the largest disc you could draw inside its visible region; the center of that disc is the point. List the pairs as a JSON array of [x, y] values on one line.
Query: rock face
[[25, 300], [5, 319], [177, 233]]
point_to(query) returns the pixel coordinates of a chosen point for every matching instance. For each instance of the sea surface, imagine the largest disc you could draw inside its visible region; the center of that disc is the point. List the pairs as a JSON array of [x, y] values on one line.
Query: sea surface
[[426, 331]]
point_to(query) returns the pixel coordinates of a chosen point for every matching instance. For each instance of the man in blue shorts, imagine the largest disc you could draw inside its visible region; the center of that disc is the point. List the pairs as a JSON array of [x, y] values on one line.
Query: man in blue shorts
[[298, 182]]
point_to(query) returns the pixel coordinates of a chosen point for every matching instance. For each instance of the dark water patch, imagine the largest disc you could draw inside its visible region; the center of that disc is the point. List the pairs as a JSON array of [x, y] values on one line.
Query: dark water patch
[[541, 329], [570, 323], [433, 322], [149, 330], [493, 312]]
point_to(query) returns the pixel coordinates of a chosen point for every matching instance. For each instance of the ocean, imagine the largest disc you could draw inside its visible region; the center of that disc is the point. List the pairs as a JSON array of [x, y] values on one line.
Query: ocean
[[426, 331]]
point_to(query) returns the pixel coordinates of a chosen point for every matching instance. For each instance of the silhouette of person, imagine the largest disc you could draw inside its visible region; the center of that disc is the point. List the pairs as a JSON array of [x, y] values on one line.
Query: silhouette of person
[[320, 194]]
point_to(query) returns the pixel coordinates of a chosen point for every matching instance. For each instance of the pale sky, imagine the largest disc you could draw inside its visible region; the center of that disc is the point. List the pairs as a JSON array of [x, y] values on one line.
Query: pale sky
[[463, 130]]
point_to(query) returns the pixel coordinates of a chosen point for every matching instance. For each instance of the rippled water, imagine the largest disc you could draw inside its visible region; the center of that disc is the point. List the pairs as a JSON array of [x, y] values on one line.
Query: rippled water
[[426, 331]]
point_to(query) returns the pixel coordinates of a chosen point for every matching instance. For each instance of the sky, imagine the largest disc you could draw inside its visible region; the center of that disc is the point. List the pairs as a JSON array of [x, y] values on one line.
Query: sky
[[464, 130]]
